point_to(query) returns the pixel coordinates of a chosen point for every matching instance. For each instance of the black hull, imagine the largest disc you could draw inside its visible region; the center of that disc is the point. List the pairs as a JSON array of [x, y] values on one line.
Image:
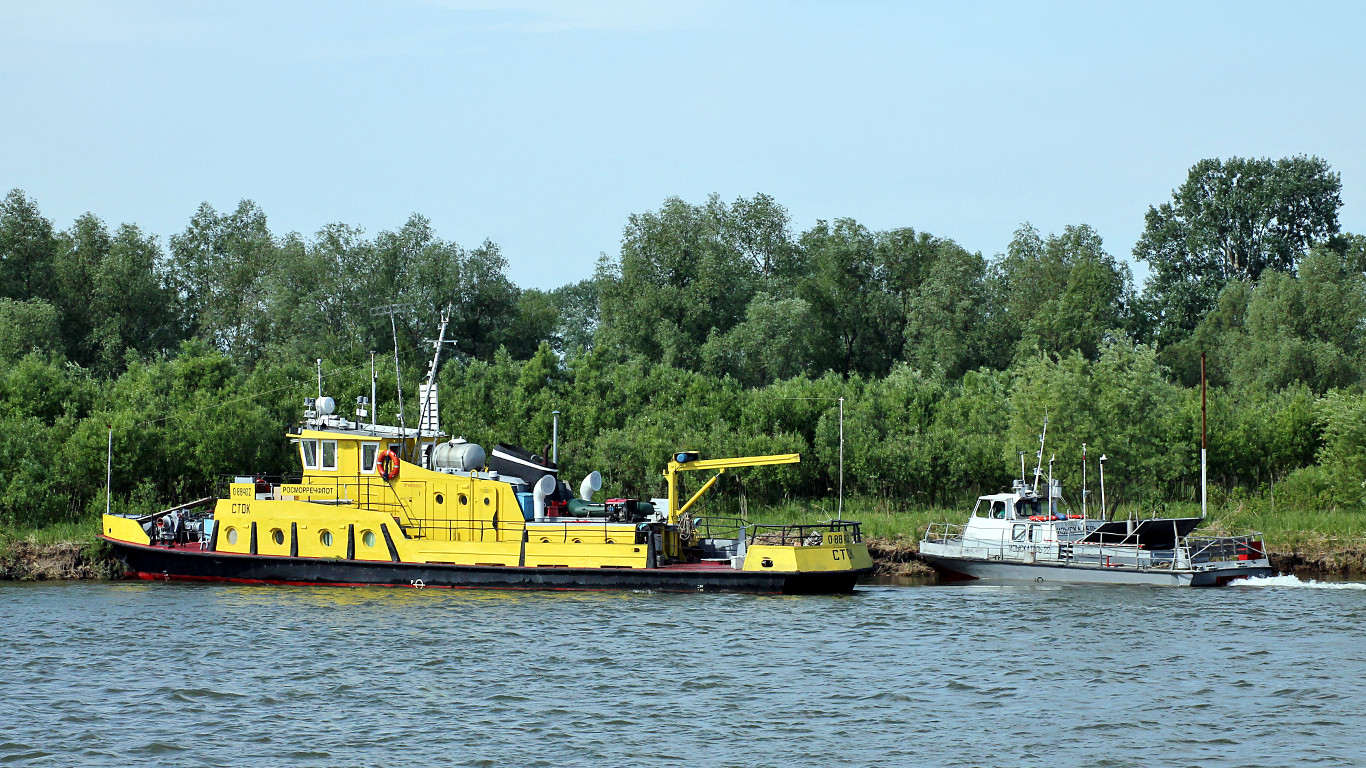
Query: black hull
[[155, 563]]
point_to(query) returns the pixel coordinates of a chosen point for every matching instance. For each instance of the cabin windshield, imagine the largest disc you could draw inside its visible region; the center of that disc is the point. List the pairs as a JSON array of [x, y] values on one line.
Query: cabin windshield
[[310, 453], [1026, 508]]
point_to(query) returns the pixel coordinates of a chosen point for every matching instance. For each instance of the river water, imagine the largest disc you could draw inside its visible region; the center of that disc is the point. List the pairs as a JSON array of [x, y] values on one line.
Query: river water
[[124, 673]]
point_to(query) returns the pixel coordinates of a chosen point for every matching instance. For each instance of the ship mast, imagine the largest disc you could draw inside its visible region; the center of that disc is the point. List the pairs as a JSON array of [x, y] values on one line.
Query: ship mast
[[391, 310], [1083, 481], [428, 392], [1038, 468]]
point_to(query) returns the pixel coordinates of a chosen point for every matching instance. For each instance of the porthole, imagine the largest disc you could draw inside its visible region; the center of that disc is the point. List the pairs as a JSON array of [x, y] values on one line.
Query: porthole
[[325, 538], [368, 538], [545, 540], [440, 498], [486, 501], [578, 541], [277, 536], [464, 500], [232, 535], [609, 541]]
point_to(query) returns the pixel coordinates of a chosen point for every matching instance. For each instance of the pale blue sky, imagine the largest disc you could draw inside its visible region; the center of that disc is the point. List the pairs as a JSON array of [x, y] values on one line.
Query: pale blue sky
[[543, 125]]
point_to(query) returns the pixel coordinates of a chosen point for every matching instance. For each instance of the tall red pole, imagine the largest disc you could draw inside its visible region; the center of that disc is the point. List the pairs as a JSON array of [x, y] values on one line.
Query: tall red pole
[[1204, 444]]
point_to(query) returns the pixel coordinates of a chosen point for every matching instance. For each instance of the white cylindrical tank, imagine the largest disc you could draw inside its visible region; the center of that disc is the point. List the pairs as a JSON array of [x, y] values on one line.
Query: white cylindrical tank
[[458, 455]]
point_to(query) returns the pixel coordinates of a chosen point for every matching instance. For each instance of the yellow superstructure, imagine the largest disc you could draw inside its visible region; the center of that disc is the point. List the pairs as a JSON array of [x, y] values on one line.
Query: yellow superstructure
[[342, 507]]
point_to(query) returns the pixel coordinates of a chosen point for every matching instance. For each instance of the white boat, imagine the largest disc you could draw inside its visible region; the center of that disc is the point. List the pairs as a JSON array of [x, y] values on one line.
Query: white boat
[[1022, 536]]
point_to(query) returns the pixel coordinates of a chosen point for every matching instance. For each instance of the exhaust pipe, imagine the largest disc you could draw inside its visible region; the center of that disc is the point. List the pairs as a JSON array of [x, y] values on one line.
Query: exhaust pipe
[[544, 487], [590, 485]]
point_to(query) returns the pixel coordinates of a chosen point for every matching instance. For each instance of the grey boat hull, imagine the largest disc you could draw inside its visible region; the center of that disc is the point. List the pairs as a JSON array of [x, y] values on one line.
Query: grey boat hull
[[961, 569]]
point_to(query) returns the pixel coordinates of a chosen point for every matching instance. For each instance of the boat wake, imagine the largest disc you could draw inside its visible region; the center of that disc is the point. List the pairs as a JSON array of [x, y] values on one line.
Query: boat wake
[[1294, 581]]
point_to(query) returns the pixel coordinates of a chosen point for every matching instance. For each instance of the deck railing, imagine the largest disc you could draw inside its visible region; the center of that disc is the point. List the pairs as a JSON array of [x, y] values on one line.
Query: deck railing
[[1188, 552], [804, 534]]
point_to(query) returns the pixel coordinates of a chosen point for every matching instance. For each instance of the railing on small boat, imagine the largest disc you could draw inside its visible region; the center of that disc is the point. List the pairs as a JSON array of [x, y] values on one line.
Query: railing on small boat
[[804, 534], [1189, 552], [944, 532]]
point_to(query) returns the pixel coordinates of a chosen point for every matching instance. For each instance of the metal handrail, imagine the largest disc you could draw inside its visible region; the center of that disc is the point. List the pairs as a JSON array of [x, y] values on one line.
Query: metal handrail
[[719, 527], [803, 534]]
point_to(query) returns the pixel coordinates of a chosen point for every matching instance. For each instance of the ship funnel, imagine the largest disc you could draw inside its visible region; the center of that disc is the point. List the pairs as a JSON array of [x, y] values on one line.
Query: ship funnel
[[590, 485], [544, 487]]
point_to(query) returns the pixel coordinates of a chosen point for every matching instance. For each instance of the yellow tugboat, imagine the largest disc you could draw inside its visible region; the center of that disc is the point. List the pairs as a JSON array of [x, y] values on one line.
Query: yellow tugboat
[[397, 506]]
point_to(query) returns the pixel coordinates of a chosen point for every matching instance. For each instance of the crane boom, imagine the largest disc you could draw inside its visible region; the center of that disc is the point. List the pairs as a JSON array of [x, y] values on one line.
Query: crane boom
[[690, 463]]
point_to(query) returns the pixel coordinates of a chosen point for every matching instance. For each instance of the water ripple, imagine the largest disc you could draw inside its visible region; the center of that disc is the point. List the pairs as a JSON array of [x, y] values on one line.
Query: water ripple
[[229, 675]]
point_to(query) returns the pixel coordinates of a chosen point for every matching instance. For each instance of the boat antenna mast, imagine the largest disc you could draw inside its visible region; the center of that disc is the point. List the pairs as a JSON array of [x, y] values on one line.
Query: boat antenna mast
[[374, 385], [428, 396], [1038, 468], [839, 513], [1102, 485], [392, 310], [1084, 492]]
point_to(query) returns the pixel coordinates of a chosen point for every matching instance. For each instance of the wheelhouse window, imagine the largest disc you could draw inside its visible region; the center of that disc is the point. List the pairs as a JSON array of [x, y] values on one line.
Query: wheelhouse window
[[368, 452], [998, 510], [309, 448], [329, 454]]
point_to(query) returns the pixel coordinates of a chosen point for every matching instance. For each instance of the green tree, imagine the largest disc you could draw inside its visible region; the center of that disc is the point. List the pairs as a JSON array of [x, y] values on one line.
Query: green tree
[[856, 324], [1057, 294], [28, 250], [220, 265], [576, 313], [948, 313], [134, 306], [28, 326], [1231, 220], [687, 270], [773, 342], [1286, 329]]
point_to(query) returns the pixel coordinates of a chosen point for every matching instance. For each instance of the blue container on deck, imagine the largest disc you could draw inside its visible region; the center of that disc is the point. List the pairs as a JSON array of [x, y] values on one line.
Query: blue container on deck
[[528, 504]]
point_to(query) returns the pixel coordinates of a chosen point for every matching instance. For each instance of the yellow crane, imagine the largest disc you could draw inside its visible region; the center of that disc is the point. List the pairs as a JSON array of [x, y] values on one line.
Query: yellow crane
[[689, 461]]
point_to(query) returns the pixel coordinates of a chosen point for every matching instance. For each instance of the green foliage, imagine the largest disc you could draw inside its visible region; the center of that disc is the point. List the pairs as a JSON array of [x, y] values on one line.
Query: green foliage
[[1059, 294], [687, 270], [28, 326], [718, 329], [28, 250], [1232, 220], [1286, 329]]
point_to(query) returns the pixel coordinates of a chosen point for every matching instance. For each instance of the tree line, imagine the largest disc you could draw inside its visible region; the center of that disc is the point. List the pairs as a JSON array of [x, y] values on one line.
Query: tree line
[[716, 327]]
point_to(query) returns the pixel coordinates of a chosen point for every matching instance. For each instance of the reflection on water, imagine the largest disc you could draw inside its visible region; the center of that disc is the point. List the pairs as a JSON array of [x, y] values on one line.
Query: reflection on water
[[231, 675]]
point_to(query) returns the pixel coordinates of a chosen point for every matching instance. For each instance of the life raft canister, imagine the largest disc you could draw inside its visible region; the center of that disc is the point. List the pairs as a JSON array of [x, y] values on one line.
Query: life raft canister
[[388, 464]]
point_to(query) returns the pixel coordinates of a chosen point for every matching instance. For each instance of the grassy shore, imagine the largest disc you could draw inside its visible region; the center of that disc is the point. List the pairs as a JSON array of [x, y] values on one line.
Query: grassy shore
[[1327, 542], [61, 551]]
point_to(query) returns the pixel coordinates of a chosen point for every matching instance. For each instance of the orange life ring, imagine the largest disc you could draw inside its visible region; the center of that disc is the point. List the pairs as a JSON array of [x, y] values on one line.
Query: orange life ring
[[387, 464]]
